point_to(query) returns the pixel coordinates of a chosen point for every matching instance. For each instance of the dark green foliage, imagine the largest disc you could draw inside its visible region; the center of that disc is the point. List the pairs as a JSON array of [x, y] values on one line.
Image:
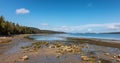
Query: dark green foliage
[[9, 28]]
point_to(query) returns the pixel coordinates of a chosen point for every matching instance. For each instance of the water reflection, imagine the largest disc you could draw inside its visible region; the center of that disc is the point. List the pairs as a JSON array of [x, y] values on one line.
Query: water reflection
[[47, 37]]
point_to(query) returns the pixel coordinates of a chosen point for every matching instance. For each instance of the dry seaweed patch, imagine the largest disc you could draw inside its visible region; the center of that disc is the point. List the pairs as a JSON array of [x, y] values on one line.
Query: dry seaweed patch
[[35, 46]]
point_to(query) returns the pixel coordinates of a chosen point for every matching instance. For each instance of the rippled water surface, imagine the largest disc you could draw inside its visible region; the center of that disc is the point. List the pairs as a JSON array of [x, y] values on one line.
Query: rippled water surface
[[78, 35]]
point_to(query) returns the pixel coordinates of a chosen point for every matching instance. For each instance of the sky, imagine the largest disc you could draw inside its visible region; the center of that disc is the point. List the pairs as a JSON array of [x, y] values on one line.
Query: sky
[[77, 16]]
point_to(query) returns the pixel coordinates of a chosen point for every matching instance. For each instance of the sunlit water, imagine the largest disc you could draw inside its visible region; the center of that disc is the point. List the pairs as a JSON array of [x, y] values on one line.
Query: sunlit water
[[47, 37], [78, 35]]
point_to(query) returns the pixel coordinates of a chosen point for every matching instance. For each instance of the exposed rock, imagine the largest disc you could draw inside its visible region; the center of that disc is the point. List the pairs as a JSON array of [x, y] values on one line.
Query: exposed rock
[[107, 54], [105, 60], [118, 60], [52, 46], [85, 58], [58, 44], [68, 49], [25, 57], [114, 56], [58, 55], [119, 56], [99, 61]]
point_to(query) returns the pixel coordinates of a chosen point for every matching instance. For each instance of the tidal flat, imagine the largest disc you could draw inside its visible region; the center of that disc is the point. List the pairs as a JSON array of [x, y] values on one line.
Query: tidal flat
[[72, 50]]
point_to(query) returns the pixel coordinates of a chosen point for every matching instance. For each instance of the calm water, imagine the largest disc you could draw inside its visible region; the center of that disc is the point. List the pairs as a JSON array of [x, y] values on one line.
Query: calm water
[[62, 36], [47, 37], [99, 36]]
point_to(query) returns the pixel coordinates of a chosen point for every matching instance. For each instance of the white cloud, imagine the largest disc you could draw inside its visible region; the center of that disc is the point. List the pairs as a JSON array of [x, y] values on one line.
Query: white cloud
[[114, 27], [22, 11], [107, 27], [89, 27], [44, 24], [90, 30]]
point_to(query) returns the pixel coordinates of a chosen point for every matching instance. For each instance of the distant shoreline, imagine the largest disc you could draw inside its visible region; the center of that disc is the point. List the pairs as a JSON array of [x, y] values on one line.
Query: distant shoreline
[[96, 41]]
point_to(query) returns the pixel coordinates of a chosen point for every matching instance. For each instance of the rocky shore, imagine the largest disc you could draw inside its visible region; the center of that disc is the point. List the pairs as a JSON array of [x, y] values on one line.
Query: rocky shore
[[75, 50]]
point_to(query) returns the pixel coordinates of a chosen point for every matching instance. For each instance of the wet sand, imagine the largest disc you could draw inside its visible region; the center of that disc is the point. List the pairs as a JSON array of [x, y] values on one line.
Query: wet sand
[[98, 50]]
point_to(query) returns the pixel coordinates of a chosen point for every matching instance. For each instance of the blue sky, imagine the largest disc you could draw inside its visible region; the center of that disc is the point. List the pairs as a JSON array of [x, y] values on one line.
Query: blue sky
[[64, 15]]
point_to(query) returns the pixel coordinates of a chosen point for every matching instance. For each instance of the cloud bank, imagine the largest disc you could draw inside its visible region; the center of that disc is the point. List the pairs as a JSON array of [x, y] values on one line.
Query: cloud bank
[[22, 11], [88, 28], [43, 24]]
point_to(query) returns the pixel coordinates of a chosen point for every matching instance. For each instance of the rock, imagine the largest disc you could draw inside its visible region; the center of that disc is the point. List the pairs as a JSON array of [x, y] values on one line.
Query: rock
[[107, 54], [85, 58], [52, 46], [69, 50], [62, 46], [57, 44], [119, 56], [25, 57], [118, 60], [58, 55], [99, 61], [114, 56]]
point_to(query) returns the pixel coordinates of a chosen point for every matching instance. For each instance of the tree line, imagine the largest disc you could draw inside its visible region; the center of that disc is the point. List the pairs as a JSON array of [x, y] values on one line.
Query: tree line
[[9, 28]]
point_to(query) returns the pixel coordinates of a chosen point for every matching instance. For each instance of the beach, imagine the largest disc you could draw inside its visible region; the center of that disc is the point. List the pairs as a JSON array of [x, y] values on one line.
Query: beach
[[19, 49]]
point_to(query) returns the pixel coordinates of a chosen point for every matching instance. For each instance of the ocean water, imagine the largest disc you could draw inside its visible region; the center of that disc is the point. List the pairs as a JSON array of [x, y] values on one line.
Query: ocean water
[[77, 35], [98, 36]]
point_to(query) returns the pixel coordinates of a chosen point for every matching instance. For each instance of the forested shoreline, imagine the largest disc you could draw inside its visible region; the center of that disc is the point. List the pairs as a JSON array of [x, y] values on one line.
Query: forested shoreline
[[10, 28]]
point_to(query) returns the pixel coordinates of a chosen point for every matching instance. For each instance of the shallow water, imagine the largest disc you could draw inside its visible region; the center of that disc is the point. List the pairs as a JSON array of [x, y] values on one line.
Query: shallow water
[[93, 48], [17, 47], [78, 35], [99, 36], [47, 37]]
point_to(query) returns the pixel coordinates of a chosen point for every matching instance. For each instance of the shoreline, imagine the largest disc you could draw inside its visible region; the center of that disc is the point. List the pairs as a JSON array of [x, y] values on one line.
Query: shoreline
[[101, 42], [49, 52], [96, 41]]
